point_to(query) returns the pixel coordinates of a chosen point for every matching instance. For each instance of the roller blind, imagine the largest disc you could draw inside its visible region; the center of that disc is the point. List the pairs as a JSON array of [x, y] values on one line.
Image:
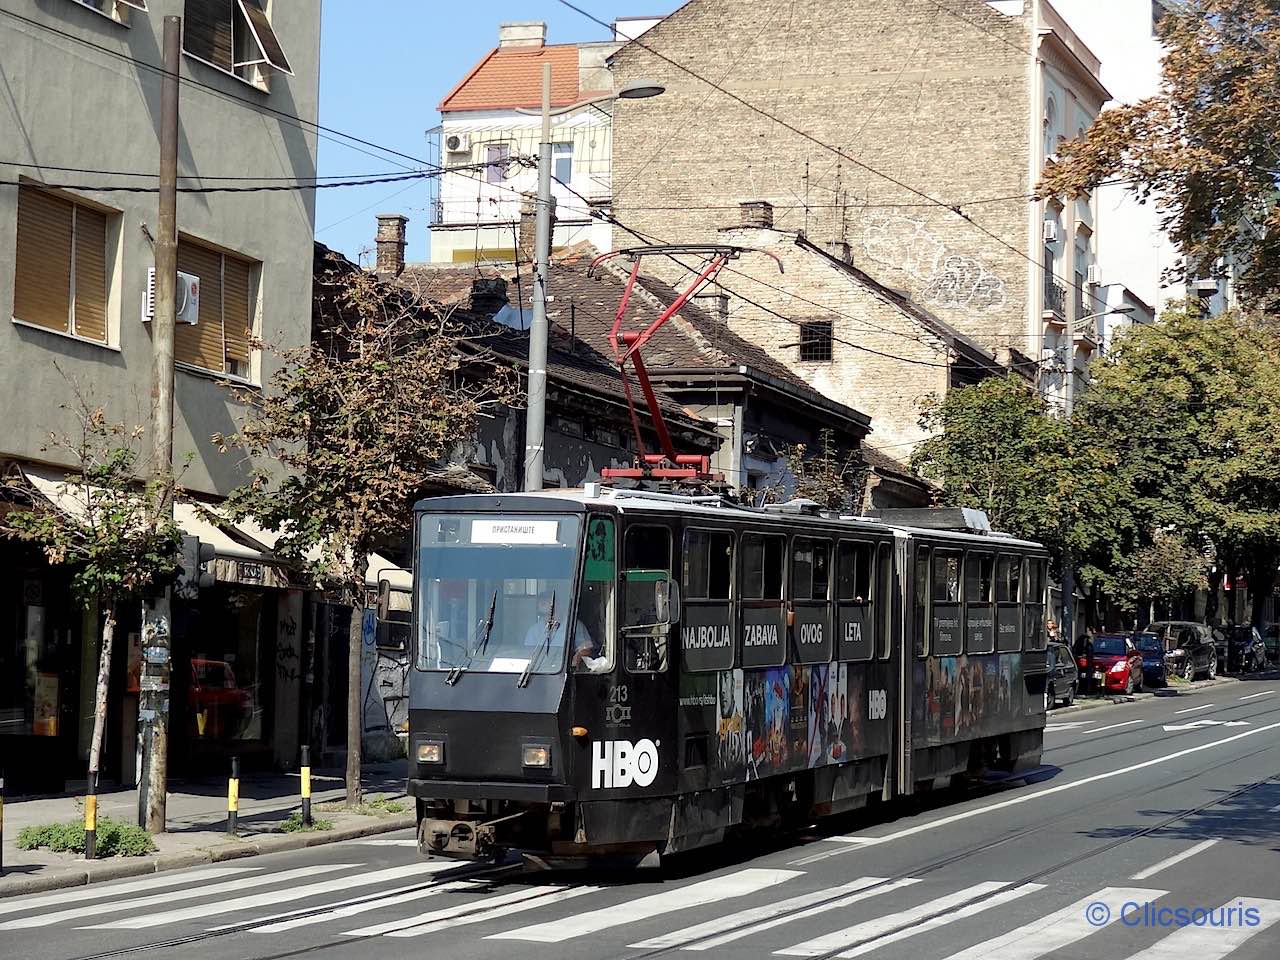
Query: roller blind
[[237, 314], [206, 31], [89, 315], [42, 269], [201, 345]]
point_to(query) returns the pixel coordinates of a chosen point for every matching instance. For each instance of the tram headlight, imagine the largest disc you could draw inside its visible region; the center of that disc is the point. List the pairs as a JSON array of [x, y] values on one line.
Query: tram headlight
[[431, 751], [536, 755]]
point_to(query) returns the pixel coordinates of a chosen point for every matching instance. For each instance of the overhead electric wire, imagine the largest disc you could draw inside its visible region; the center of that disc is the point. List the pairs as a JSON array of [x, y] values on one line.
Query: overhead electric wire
[[256, 188]]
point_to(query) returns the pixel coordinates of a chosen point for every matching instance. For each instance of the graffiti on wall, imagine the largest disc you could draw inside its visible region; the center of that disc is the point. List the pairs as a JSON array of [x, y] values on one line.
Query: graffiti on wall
[[947, 278]]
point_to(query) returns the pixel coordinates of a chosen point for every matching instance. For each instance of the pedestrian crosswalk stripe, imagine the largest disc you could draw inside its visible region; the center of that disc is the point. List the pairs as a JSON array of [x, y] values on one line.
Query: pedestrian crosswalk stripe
[[190, 893], [1057, 930], [749, 916], [100, 891], [286, 895], [861, 932], [1210, 942], [873, 940], [737, 884], [307, 916], [492, 909]]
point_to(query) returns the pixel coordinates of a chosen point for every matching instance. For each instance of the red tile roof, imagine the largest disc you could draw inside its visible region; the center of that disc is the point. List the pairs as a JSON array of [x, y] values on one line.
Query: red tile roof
[[513, 78]]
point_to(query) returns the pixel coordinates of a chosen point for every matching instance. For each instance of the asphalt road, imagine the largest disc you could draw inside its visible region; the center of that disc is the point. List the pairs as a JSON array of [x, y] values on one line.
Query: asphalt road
[[1142, 814]]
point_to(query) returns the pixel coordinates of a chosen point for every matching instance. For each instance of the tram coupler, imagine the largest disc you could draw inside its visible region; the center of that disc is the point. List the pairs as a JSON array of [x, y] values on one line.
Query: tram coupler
[[463, 839]]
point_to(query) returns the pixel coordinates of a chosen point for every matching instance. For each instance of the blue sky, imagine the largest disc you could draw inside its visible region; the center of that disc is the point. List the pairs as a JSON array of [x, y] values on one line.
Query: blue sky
[[385, 64]]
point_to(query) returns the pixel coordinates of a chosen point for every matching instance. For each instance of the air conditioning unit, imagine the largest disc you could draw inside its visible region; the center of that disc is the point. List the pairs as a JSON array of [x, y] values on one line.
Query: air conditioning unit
[[1051, 231], [1205, 285], [188, 294], [457, 142], [1091, 274]]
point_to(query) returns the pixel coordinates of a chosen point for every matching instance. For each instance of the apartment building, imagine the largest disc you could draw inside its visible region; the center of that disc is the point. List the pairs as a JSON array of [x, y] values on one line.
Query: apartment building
[[79, 119]]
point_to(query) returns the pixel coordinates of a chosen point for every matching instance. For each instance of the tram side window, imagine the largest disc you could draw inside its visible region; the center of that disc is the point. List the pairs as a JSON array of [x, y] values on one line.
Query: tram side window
[[854, 572], [948, 635], [921, 602], [884, 598], [979, 573], [810, 569], [593, 636], [856, 626], [761, 567], [708, 564], [1033, 604], [646, 570], [706, 627], [1008, 616], [761, 624]]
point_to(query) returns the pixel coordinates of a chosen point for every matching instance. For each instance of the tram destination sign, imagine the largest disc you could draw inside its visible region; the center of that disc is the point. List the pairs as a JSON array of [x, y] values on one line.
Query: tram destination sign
[[514, 531]]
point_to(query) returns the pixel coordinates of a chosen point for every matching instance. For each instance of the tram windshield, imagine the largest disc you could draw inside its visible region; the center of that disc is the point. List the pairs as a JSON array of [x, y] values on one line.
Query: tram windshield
[[495, 593]]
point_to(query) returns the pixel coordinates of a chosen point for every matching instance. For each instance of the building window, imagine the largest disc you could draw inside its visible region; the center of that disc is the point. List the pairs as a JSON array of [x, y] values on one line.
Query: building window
[[496, 156], [115, 9], [815, 340], [60, 270], [562, 162], [219, 340], [235, 36], [1050, 128]]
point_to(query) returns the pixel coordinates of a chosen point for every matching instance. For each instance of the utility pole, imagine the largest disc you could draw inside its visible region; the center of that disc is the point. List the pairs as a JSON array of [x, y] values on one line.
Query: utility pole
[[153, 699], [536, 409]]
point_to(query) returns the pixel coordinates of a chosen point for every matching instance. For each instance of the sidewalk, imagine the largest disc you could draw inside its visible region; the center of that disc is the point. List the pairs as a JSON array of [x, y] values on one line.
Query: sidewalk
[[1173, 690], [197, 818]]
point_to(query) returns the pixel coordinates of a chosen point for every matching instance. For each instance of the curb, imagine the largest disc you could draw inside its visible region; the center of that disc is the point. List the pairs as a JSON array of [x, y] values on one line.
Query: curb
[[1145, 695], [97, 871]]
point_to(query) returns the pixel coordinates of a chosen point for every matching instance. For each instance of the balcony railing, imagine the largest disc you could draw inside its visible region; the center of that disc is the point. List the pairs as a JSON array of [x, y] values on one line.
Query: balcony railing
[[1055, 300]]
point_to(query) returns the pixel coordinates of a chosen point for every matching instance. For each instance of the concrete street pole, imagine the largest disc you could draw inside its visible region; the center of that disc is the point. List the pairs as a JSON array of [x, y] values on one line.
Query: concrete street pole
[[536, 410], [153, 700]]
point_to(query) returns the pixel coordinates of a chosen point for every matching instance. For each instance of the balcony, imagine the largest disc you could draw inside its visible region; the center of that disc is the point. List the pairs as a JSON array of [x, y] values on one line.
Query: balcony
[[1055, 304]]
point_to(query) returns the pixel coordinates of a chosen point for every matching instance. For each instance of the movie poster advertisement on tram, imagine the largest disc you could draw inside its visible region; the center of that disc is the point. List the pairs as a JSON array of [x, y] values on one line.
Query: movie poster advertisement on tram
[[731, 740], [962, 697], [799, 726], [768, 716], [818, 750]]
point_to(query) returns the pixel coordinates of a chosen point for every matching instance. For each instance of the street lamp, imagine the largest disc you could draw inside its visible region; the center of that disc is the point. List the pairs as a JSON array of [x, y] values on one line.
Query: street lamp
[[536, 409], [1070, 387]]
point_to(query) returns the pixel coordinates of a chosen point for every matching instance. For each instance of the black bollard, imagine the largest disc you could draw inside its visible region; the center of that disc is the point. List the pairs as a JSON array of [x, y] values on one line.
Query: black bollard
[[306, 785], [233, 796]]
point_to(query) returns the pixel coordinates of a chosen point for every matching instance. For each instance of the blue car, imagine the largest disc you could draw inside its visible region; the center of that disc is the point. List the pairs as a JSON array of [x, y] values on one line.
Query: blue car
[[1154, 670]]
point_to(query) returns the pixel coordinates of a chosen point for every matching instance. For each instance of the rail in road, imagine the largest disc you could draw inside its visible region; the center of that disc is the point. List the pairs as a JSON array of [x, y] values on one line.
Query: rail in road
[[1147, 835]]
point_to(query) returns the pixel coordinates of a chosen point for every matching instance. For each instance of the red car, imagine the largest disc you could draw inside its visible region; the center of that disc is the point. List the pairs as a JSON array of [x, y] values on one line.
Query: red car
[[1117, 664]]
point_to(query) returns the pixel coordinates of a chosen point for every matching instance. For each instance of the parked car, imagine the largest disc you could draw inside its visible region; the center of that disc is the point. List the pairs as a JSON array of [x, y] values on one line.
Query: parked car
[[1246, 651], [1064, 677], [1155, 673], [1190, 649], [1117, 664]]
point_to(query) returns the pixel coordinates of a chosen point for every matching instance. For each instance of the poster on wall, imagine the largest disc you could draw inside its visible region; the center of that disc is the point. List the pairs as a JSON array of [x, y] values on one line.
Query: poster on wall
[[45, 713], [133, 669]]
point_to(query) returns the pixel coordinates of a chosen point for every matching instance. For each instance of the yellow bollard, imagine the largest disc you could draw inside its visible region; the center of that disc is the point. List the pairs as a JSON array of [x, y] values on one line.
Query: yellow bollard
[[233, 795]]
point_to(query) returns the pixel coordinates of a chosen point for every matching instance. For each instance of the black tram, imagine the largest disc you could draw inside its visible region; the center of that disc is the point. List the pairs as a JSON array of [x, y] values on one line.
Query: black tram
[[611, 673]]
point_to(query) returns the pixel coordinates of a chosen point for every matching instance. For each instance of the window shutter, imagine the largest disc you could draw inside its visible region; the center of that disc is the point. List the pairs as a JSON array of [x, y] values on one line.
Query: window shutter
[[90, 314], [264, 36], [237, 316], [201, 345], [206, 31], [42, 275]]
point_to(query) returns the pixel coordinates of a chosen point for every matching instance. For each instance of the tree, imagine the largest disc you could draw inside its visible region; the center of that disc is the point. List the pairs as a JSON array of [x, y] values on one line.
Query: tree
[[347, 432], [1164, 570], [117, 537], [1192, 405], [832, 478], [1207, 148]]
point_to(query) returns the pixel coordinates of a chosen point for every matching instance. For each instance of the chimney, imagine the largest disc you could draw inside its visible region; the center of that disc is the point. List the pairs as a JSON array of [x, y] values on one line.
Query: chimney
[[757, 214], [523, 33], [528, 231], [390, 241], [488, 295], [841, 250]]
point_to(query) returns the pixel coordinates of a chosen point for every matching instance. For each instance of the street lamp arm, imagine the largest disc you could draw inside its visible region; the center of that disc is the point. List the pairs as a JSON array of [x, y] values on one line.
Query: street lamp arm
[[571, 108]]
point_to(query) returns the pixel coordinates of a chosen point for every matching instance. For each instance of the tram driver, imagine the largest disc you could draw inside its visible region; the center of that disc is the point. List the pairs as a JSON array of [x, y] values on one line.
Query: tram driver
[[587, 652]]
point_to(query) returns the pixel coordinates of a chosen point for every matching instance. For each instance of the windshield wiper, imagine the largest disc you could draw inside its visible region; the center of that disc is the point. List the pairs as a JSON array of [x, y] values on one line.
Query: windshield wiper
[[456, 673], [536, 660]]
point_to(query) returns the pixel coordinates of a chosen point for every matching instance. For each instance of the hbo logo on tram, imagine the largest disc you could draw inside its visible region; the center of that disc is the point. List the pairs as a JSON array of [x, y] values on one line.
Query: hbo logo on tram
[[620, 763]]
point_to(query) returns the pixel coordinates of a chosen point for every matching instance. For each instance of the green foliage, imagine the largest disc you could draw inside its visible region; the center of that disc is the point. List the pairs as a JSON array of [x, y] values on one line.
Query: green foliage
[[355, 422], [294, 824], [115, 838], [1205, 147], [832, 478], [114, 533]]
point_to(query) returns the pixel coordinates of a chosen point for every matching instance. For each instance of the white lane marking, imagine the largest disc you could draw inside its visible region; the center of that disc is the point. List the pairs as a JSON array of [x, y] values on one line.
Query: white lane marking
[[1062, 787], [860, 933], [1199, 724], [304, 917], [137, 903], [383, 842], [97, 891], [1168, 862], [1254, 696], [752, 914], [1070, 725], [972, 909], [737, 884], [268, 899], [803, 914], [1117, 726], [1203, 706], [1210, 942], [1059, 929], [444, 919]]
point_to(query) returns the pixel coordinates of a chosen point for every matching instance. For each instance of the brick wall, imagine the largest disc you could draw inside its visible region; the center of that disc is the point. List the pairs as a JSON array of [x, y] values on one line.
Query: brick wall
[[935, 102]]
